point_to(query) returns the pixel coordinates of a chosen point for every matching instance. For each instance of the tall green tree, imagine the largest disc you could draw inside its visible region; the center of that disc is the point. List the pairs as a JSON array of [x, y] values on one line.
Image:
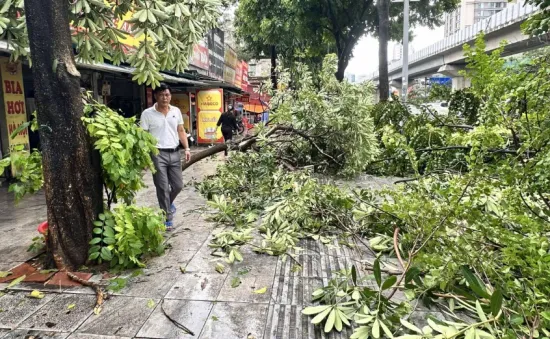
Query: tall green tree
[[322, 26], [51, 28], [275, 29]]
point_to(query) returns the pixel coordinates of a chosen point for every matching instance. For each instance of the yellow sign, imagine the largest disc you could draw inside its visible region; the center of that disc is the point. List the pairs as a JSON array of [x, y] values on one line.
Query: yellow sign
[[14, 101], [125, 26], [181, 101], [207, 129], [210, 100]]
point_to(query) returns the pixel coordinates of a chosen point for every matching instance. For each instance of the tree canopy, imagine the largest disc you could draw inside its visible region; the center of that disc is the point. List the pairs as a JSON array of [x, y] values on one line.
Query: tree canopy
[[166, 32], [318, 27]]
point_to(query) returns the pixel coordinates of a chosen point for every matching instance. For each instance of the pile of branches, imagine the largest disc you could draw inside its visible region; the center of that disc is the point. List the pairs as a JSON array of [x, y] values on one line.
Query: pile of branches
[[324, 124]]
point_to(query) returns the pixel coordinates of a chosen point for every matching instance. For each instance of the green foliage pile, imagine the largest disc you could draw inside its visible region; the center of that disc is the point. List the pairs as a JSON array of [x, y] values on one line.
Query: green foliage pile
[[125, 151], [471, 223], [127, 234], [333, 116]]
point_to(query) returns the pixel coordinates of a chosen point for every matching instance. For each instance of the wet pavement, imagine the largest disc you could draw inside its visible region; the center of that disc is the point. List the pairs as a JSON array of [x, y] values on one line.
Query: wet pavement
[[201, 299]]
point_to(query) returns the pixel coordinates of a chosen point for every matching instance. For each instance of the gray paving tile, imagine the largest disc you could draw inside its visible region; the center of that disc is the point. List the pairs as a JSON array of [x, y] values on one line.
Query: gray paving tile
[[291, 290], [56, 315], [245, 291], [173, 259], [203, 261], [197, 286], [288, 322], [94, 336], [154, 285], [15, 250], [191, 314], [6, 266], [122, 316], [190, 240], [16, 307], [26, 334], [235, 321]]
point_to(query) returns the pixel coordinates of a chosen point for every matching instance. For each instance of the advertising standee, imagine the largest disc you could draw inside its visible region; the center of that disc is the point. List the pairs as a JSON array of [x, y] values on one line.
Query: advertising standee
[[209, 108]]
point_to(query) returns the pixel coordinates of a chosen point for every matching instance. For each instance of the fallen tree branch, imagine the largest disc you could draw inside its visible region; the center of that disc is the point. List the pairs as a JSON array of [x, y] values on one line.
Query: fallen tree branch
[[396, 247], [100, 293], [174, 321]]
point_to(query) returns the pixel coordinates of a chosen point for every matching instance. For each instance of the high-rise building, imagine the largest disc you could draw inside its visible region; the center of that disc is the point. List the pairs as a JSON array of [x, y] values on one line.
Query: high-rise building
[[470, 12], [398, 52]]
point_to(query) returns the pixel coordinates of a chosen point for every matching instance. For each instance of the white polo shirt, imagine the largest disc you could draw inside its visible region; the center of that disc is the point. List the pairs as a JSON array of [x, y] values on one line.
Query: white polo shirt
[[163, 128]]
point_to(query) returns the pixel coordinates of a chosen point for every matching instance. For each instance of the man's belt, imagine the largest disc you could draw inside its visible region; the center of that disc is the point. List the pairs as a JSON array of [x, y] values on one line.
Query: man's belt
[[169, 150]]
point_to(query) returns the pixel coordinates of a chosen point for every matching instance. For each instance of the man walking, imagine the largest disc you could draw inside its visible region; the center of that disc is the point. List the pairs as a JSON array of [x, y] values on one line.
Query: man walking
[[165, 123]]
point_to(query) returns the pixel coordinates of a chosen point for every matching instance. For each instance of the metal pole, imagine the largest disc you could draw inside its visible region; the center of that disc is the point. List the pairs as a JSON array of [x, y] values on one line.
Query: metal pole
[[405, 68]]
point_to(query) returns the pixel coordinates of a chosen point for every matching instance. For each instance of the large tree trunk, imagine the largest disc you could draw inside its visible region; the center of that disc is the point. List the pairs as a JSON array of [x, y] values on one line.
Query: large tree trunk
[[72, 173], [383, 7], [274, 66]]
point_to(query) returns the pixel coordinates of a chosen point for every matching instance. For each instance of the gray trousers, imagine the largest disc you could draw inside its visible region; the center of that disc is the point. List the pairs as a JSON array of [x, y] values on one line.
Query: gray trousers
[[168, 179]]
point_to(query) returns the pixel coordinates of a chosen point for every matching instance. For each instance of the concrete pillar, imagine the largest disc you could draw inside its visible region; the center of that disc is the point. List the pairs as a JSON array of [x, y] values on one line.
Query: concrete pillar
[[453, 71], [459, 83]]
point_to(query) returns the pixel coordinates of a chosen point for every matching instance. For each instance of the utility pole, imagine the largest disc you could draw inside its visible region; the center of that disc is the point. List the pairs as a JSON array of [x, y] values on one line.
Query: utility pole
[[405, 67]]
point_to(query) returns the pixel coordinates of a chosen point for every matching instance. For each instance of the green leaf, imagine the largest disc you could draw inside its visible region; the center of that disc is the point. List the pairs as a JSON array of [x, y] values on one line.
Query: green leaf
[[261, 290], [17, 281], [386, 330], [388, 283], [480, 312], [354, 275], [377, 272], [151, 303], [410, 326], [4, 274], [314, 310], [496, 302], [37, 294], [474, 283], [220, 268], [235, 282], [330, 320], [321, 316], [376, 329]]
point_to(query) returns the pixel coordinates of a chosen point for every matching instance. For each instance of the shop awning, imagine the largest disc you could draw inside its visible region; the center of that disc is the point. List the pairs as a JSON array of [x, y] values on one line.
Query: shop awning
[[224, 85], [130, 70], [4, 47], [254, 108]]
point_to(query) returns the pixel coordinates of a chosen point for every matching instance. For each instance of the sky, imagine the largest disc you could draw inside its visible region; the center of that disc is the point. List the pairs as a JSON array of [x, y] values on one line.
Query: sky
[[365, 54]]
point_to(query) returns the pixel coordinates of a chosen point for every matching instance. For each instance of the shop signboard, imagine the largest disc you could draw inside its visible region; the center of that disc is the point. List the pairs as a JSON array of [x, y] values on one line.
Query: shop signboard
[[244, 76], [181, 101], [229, 75], [215, 40], [230, 57], [238, 75], [200, 56], [14, 101], [209, 108]]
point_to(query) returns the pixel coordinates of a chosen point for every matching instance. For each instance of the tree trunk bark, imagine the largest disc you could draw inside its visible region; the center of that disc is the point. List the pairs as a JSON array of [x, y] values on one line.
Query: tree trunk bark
[[342, 65], [72, 172], [274, 66], [383, 37]]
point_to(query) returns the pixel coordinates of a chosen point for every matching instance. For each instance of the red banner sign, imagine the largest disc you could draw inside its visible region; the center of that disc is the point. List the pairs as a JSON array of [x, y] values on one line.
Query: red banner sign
[[244, 76], [200, 57]]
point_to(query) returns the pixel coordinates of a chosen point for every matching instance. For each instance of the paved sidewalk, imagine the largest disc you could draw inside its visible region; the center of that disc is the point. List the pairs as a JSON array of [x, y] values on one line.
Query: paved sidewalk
[[201, 299]]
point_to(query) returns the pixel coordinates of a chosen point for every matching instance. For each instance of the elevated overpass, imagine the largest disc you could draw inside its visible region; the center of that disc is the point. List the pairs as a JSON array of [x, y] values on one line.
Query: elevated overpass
[[447, 56]]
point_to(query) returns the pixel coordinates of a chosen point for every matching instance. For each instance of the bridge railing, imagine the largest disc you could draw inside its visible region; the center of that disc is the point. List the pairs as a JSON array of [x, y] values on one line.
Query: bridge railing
[[508, 16]]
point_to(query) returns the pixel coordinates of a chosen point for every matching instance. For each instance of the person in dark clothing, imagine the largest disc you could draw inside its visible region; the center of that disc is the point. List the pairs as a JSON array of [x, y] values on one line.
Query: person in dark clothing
[[228, 123]]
